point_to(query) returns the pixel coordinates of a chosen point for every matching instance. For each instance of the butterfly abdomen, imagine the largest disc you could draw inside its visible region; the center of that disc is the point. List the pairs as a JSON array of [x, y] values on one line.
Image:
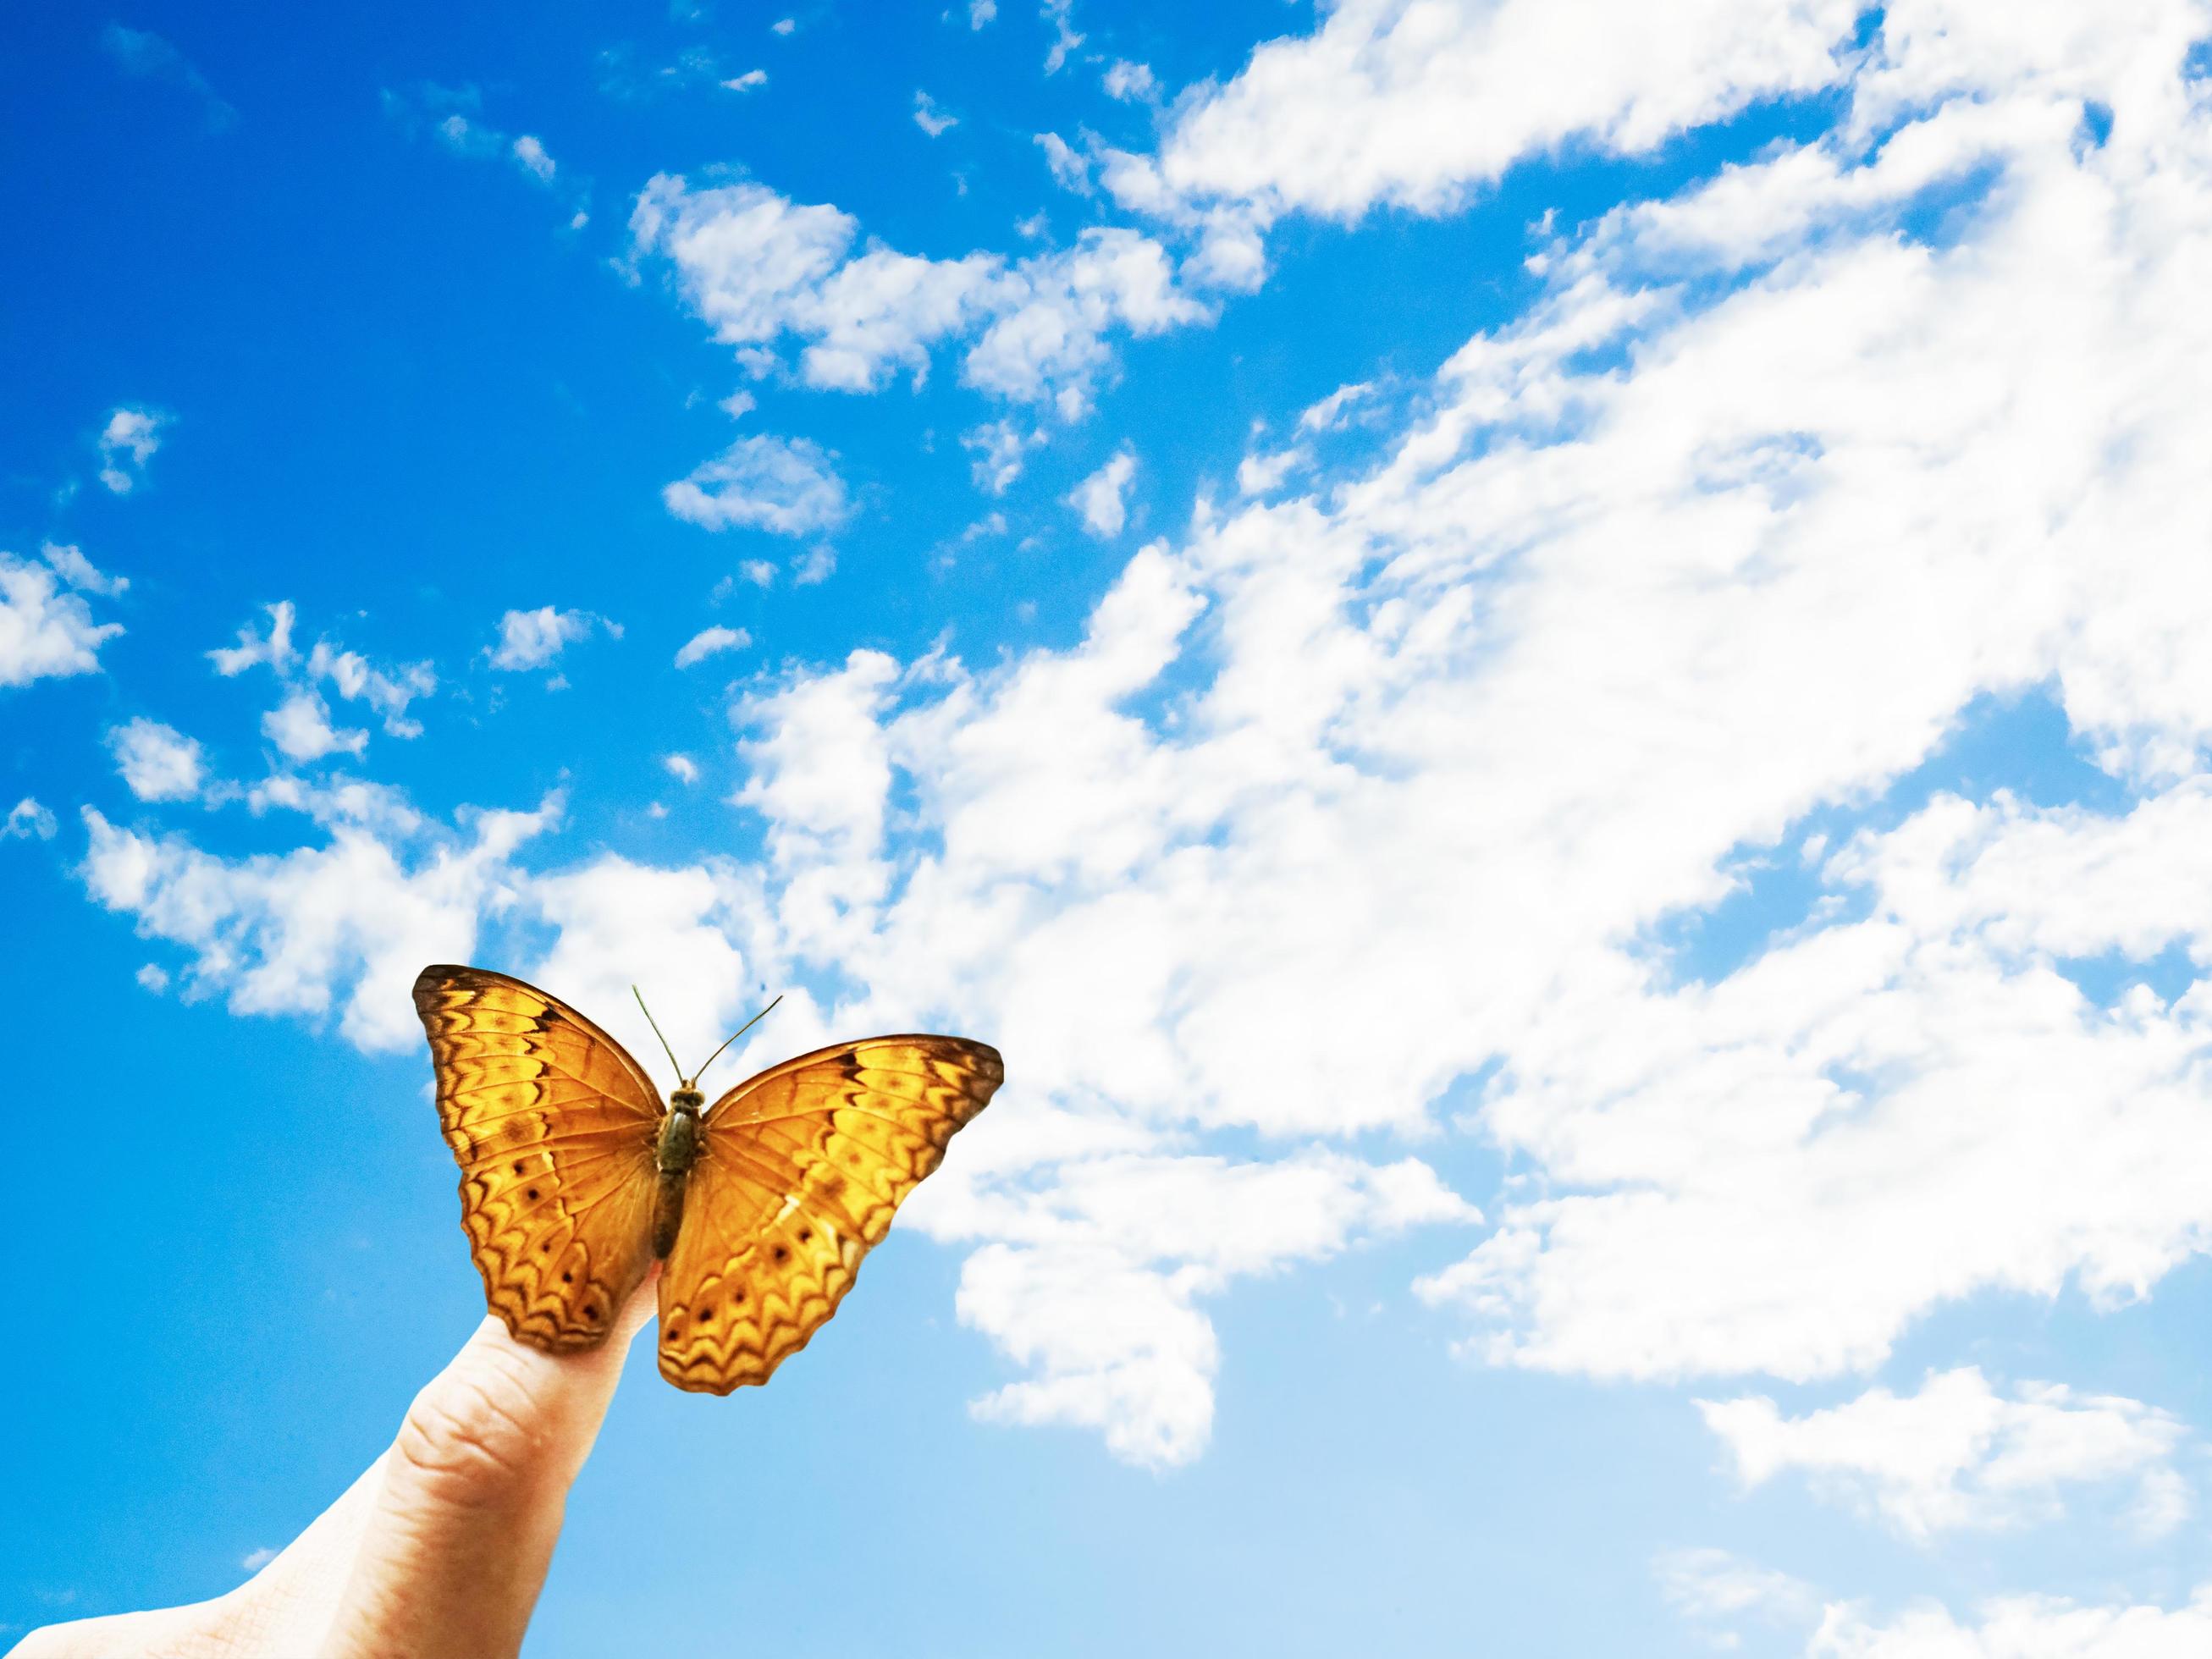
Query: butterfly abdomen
[[674, 1154]]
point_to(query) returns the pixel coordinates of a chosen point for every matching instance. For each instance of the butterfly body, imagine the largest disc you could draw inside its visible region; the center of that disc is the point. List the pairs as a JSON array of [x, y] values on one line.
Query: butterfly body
[[575, 1177], [675, 1150]]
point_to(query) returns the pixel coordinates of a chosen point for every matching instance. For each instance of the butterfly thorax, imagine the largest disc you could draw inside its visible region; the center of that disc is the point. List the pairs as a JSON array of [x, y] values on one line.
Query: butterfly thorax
[[674, 1152]]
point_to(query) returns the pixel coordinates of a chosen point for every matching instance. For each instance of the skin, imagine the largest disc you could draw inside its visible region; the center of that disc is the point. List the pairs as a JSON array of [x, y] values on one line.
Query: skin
[[438, 1549]]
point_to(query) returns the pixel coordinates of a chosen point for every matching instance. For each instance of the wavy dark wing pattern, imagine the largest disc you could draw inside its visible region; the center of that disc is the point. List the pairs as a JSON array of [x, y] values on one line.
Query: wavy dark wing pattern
[[799, 1173], [553, 1125]]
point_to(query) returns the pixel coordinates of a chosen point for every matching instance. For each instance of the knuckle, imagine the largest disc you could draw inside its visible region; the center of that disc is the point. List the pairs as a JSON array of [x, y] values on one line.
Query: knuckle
[[467, 1439]]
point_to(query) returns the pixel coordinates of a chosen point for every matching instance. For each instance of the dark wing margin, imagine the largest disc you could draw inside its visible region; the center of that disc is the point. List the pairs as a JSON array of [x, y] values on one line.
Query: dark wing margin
[[801, 1171], [553, 1125]]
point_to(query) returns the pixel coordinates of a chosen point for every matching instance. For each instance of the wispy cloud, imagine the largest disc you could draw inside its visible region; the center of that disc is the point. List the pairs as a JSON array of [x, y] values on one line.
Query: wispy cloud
[[1102, 499], [127, 442], [532, 639], [930, 119], [1959, 1455], [787, 486], [158, 762], [757, 266], [147, 56], [711, 641], [45, 629], [28, 820]]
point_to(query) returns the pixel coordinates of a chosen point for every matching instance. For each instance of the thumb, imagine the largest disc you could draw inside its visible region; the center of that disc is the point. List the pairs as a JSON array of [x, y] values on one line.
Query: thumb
[[457, 1546]]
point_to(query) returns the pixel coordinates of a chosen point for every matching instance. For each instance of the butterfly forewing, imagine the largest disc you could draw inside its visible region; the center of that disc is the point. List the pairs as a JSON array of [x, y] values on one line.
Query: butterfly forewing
[[801, 1171], [553, 1126]]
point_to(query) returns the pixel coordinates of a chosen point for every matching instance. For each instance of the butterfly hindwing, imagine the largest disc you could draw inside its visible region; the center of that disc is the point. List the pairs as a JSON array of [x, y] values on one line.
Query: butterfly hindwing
[[800, 1170], [553, 1126]]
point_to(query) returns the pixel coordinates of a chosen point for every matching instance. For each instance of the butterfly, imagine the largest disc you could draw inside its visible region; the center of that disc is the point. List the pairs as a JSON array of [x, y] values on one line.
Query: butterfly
[[575, 1177]]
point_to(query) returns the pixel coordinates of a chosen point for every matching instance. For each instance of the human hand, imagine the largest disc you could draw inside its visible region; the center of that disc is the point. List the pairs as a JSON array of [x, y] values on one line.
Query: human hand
[[439, 1548]]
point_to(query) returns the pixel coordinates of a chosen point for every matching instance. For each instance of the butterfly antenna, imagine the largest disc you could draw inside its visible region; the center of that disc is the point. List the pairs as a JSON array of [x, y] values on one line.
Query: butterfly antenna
[[739, 1032], [665, 1048]]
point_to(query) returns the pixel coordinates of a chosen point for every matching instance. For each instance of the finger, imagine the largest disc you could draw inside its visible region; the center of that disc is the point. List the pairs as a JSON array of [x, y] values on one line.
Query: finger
[[173, 1633], [455, 1549], [288, 1606], [284, 1609]]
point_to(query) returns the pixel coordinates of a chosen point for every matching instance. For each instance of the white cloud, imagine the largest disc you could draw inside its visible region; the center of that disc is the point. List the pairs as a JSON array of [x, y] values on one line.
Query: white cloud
[[301, 728], [1130, 82], [453, 117], [816, 564], [126, 444], [1048, 343], [272, 647], [1329, 414], [787, 486], [529, 155], [1091, 1284], [752, 79], [1712, 1586], [254, 1560], [351, 922], [930, 119], [759, 572], [44, 633], [757, 266], [1065, 39], [998, 446], [70, 563], [1344, 802], [531, 639], [1420, 720], [681, 768], [338, 801], [388, 692], [1958, 1453], [746, 256], [1070, 171], [27, 820], [783, 26], [1371, 108], [301, 725], [153, 978], [821, 767], [1100, 498], [981, 12], [1263, 474], [710, 640], [2022, 1627], [158, 762]]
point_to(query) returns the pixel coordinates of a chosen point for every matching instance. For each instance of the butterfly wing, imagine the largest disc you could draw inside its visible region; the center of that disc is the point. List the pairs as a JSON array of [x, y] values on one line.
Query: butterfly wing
[[800, 1172], [553, 1125]]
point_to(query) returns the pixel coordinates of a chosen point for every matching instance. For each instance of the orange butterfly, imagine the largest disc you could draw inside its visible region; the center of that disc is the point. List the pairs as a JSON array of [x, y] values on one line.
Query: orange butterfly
[[574, 1178]]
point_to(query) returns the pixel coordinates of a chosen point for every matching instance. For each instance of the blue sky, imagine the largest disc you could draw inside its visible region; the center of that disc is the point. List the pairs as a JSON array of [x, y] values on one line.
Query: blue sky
[[1540, 666]]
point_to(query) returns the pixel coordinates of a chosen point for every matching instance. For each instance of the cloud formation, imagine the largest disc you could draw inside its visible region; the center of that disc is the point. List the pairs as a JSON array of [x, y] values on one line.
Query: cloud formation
[[146, 56], [785, 486], [45, 629], [757, 266], [1374, 807], [127, 442], [1958, 1453], [532, 639], [1101, 499]]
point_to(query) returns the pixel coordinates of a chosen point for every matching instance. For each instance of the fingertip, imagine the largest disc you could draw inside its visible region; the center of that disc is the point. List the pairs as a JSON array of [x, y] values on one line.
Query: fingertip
[[639, 1311]]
